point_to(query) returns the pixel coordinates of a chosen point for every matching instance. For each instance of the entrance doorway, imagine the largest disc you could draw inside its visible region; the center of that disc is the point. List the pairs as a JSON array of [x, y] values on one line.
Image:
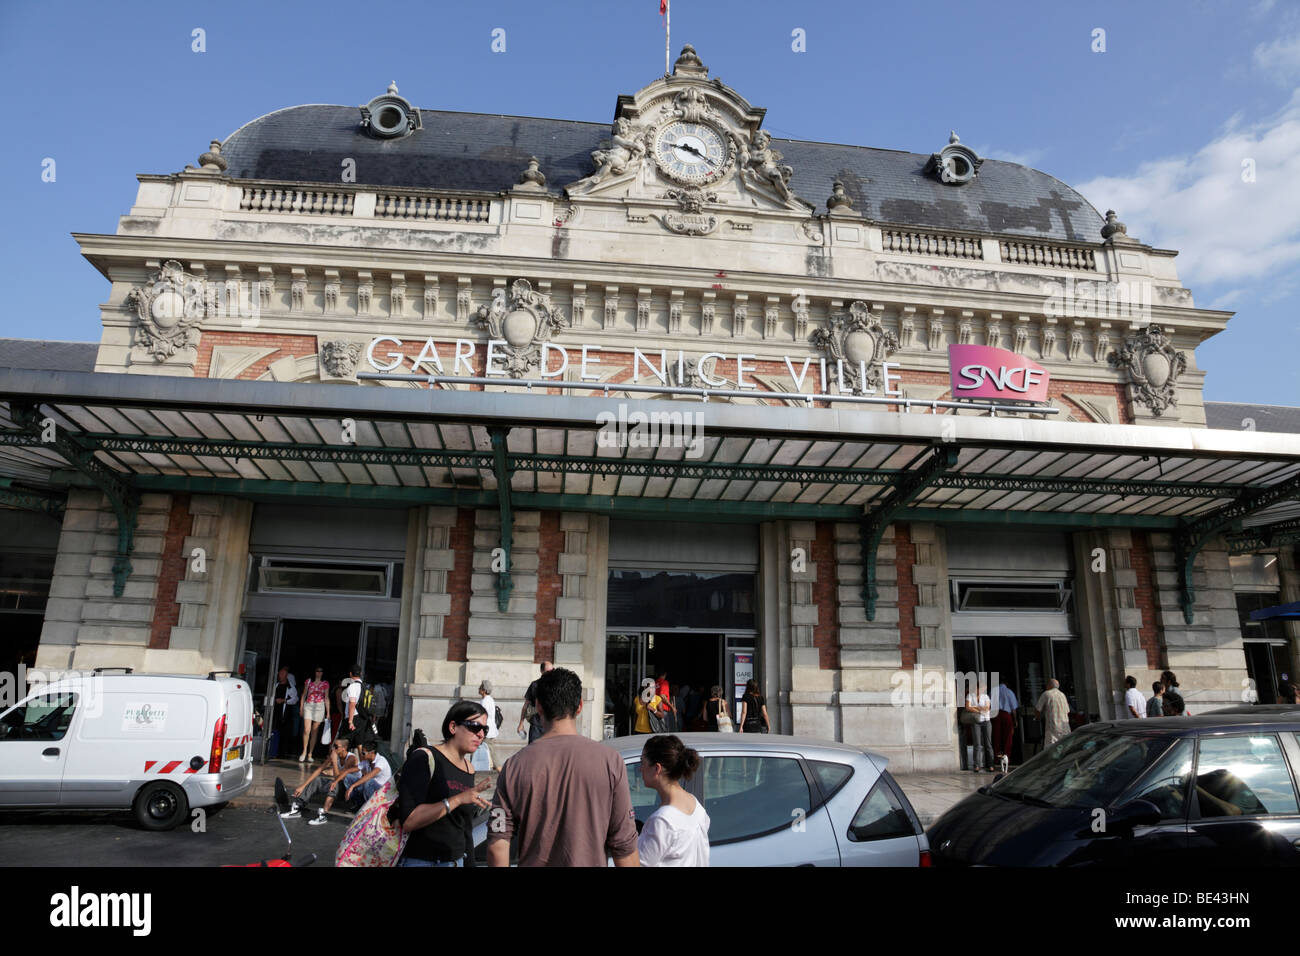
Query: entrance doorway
[[301, 646], [1024, 664], [695, 662]]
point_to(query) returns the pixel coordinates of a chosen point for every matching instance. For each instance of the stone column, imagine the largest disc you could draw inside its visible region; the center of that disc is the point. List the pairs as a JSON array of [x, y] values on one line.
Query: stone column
[[85, 625], [206, 636], [431, 680], [813, 709]]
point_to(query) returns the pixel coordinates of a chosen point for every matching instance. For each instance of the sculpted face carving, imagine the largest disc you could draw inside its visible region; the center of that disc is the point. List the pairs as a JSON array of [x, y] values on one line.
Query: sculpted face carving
[[340, 357]]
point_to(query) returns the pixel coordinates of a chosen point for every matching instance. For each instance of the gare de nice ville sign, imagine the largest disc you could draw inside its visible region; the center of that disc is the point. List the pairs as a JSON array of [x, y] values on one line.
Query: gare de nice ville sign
[[976, 371]]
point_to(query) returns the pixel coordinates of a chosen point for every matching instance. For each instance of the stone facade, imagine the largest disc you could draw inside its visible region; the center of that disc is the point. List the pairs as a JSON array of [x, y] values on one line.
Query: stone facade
[[299, 282]]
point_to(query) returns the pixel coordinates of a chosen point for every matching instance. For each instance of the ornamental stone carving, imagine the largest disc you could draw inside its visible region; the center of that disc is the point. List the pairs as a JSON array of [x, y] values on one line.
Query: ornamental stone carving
[[692, 220], [340, 357], [760, 164], [857, 339], [524, 320], [170, 311], [1153, 366], [624, 154]]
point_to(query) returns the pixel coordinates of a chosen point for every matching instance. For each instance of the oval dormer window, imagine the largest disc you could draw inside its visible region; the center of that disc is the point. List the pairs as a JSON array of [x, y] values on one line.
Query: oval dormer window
[[955, 164], [390, 115]]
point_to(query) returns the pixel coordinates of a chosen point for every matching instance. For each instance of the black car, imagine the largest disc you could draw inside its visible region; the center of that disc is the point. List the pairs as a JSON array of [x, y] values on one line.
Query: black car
[[1215, 790]]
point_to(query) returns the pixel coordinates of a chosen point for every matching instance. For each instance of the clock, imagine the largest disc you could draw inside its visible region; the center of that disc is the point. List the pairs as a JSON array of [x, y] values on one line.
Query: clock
[[693, 153]]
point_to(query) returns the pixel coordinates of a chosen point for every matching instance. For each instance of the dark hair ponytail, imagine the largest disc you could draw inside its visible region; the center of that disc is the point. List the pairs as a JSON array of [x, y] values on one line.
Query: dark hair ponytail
[[678, 760]]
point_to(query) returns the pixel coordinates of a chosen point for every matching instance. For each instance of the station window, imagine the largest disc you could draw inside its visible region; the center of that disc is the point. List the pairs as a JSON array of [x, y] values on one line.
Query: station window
[[296, 575], [1011, 596]]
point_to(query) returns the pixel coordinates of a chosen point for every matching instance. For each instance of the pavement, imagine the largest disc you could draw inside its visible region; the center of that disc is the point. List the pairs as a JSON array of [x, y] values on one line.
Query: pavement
[[931, 794]]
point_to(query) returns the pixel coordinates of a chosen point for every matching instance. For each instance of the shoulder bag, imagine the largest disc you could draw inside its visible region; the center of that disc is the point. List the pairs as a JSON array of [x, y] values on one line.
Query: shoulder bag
[[724, 722]]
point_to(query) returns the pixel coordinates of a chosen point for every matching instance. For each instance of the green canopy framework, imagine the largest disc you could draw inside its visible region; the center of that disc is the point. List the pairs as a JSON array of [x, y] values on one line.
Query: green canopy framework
[[401, 446]]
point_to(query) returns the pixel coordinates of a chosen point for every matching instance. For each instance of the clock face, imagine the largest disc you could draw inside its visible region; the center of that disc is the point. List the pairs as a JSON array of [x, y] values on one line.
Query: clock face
[[691, 152]]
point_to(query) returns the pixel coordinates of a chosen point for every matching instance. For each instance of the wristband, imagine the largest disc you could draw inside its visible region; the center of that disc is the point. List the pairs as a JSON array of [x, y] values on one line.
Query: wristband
[[447, 803]]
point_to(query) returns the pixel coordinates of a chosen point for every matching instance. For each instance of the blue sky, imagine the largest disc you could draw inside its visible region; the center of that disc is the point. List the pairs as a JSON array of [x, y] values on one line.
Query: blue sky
[[1157, 125]]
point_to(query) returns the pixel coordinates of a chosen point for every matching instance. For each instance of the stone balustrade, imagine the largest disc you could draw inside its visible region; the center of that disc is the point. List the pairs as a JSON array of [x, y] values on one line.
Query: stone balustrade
[[931, 244], [1047, 254]]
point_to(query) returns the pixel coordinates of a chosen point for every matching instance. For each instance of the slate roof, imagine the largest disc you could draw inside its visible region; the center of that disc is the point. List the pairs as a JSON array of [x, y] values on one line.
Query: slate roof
[[479, 151], [1268, 418], [48, 356]]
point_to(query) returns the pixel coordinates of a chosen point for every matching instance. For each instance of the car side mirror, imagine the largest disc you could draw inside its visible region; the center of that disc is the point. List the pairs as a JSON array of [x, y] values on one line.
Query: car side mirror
[[1135, 813]]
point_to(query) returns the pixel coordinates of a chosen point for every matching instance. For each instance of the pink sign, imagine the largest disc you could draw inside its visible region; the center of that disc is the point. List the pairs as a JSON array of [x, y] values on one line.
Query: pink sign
[[980, 371]]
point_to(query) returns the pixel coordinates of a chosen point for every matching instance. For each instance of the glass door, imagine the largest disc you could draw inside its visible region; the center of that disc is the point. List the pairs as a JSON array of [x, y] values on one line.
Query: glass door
[[624, 662], [261, 649], [379, 671]]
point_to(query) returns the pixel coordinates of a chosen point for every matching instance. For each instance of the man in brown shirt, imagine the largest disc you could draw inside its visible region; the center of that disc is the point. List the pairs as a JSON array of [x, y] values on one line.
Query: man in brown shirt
[[565, 796]]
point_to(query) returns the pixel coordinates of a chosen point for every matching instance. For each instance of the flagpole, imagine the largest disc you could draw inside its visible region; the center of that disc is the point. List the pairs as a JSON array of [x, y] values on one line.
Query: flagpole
[[668, 29]]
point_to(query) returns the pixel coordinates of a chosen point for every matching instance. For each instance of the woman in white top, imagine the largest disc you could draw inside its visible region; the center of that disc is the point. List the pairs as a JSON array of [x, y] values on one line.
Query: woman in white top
[[677, 834], [482, 759]]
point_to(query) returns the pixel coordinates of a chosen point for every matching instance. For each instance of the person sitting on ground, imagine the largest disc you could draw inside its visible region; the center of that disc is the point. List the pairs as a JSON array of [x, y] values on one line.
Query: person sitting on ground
[[337, 772], [375, 772], [1156, 705]]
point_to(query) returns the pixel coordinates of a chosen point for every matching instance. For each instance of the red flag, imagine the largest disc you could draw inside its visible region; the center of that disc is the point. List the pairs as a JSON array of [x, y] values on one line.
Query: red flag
[[663, 7]]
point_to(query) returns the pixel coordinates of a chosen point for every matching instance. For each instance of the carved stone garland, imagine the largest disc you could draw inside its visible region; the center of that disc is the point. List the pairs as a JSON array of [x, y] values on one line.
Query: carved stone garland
[[524, 322], [1153, 366], [858, 340]]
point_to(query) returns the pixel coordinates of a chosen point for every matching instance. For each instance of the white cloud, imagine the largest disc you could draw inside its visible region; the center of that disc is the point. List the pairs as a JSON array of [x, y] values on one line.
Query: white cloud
[[1281, 58], [1029, 158], [1227, 300], [1226, 229]]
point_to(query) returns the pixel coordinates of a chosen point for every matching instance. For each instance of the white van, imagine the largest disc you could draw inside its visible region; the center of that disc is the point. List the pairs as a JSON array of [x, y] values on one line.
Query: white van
[[158, 744]]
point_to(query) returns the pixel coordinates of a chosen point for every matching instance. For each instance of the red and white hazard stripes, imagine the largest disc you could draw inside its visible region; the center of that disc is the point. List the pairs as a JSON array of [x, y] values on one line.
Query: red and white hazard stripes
[[174, 766], [167, 767]]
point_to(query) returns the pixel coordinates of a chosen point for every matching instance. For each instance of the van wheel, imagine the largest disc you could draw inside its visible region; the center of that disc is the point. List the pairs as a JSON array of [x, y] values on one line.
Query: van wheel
[[160, 806]]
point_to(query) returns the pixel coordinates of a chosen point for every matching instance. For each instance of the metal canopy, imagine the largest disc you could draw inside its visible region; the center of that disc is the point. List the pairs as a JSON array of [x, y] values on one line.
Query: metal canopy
[[409, 445]]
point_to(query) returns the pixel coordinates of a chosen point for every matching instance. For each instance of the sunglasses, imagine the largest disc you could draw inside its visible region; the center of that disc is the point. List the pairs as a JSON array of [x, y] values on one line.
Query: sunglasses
[[475, 728]]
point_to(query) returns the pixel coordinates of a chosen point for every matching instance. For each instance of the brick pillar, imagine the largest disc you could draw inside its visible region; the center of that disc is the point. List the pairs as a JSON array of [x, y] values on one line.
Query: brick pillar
[[167, 609]]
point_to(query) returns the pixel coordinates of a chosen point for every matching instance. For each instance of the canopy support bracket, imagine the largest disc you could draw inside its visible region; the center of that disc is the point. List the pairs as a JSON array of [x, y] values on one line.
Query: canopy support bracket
[[872, 527], [1194, 535], [122, 496], [502, 472]]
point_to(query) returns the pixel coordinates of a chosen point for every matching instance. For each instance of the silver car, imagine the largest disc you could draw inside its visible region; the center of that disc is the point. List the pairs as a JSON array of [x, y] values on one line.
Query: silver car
[[774, 800]]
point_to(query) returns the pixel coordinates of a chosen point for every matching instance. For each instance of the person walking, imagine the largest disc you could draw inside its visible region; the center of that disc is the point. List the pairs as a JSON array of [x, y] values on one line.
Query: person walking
[[1134, 702], [528, 713], [1175, 705], [715, 705], [437, 797], [565, 799], [483, 756], [286, 705], [315, 710], [1053, 709], [1004, 722], [646, 705], [980, 704], [753, 711], [677, 834], [351, 699], [1156, 705]]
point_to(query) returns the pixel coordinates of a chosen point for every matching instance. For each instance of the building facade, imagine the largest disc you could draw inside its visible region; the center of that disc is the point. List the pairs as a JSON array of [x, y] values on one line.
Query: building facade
[[450, 395]]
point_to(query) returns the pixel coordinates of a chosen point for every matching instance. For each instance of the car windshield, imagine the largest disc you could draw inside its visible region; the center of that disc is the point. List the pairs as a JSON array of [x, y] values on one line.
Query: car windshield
[[1082, 770]]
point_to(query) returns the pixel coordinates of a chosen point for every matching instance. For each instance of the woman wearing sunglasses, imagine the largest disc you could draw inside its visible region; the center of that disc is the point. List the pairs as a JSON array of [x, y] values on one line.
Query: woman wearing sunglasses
[[437, 798]]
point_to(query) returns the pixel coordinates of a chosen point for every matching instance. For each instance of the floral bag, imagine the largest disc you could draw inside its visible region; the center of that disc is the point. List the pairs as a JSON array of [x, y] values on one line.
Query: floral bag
[[371, 840]]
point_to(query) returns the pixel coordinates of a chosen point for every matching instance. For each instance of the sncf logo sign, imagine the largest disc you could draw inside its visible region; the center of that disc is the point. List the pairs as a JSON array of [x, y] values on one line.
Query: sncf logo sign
[[980, 371]]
